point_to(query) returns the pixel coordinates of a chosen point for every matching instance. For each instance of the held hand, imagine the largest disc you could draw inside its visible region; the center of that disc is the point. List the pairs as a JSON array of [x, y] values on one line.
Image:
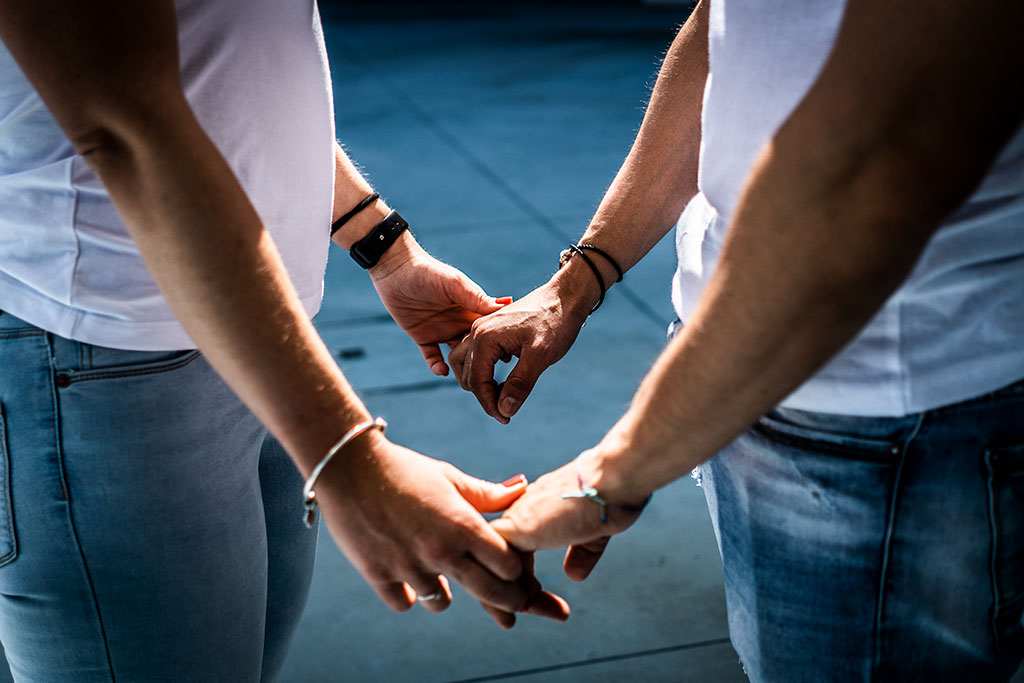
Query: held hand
[[405, 521], [538, 329], [543, 518], [431, 301]]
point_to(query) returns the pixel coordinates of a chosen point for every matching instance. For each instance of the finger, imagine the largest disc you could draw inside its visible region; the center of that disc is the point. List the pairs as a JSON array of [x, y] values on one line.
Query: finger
[[486, 496], [513, 535], [457, 358], [506, 620], [478, 377], [486, 393], [540, 603], [528, 579], [581, 559], [472, 297], [434, 359], [396, 595], [486, 587], [519, 384], [435, 588], [549, 606]]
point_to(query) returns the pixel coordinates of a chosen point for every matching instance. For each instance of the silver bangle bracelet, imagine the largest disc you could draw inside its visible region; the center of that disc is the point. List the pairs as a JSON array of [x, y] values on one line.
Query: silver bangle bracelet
[[308, 494]]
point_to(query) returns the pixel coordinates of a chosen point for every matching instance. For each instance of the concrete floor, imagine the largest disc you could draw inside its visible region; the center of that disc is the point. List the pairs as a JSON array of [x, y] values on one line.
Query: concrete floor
[[495, 130]]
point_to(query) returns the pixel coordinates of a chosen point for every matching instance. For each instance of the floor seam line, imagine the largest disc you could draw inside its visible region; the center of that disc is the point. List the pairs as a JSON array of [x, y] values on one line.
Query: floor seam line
[[492, 176], [596, 660]]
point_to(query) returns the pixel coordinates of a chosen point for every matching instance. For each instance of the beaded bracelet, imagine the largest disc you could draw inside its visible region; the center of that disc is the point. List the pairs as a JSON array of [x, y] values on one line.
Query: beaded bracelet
[[308, 494], [590, 493]]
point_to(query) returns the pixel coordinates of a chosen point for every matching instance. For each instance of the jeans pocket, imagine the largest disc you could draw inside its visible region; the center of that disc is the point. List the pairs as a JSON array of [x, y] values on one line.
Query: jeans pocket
[[105, 364], [836, 435], [8, 540], [1006, 516]]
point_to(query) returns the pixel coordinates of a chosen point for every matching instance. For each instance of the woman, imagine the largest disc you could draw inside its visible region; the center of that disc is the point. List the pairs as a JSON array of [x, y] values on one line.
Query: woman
[[166, 175]]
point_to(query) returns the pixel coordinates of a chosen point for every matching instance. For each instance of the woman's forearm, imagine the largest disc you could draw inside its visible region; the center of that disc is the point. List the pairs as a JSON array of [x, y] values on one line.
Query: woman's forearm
[[221, 275]]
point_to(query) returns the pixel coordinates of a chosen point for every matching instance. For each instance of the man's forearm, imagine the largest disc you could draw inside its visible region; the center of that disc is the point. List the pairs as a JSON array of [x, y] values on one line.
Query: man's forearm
[[833, 216], [774, 312], [659, 176]]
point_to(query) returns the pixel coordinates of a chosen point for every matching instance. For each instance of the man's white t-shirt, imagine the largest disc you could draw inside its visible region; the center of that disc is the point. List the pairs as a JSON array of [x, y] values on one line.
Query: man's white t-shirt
[[955, 328], [256, 75]]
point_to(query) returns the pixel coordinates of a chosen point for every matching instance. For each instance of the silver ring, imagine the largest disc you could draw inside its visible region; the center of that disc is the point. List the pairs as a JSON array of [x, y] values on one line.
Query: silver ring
[[437, 595]]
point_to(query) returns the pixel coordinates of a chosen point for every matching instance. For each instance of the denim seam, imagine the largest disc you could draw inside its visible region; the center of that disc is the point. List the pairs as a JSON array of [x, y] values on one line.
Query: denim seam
[[998, 603], [860, 453], [6, 492], [18, 334], [993, 552], [887, 546], [67, 505], [150, 370]]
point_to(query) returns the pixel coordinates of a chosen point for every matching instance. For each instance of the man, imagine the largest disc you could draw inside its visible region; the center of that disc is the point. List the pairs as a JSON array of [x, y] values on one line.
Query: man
[[166, 177], [851, 254]]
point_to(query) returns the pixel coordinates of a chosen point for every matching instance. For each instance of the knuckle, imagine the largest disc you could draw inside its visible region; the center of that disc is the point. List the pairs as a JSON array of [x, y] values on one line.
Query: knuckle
[[518, 383], [542, 348], [500, 595], [433, 552], [377, 573], [476, 328]]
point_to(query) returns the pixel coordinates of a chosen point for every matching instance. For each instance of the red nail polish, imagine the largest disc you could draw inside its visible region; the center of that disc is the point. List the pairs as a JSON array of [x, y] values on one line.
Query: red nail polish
[[503, 300], [514, 481]]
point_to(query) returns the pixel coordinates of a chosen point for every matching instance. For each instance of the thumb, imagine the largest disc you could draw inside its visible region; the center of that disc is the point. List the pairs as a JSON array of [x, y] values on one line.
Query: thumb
[[510, 531], [580, 560], [434, 359], [487, 496], [471, 296], [518, 385]]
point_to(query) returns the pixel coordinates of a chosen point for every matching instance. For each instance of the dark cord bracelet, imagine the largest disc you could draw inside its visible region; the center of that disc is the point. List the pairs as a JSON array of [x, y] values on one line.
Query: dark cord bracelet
[[597, 274], [336, 225], [606, 255]]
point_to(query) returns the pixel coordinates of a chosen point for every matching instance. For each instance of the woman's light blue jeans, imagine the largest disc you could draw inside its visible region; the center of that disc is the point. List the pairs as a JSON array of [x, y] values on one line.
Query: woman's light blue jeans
[[875, 549], [149, 528]]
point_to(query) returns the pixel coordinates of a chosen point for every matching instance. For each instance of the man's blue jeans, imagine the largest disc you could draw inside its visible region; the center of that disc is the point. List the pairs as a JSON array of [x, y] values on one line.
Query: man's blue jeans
[[875, 549], [149, 528]]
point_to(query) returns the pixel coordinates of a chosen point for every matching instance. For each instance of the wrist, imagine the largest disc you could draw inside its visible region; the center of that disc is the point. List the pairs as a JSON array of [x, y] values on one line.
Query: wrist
[[400, 254], [340, 475], [576, 287], [359, 225], [627, 464], [603, 469]]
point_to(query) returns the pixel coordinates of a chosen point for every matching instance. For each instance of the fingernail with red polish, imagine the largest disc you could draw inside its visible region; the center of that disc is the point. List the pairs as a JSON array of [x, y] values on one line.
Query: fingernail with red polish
[[514, 481], [503, 300]]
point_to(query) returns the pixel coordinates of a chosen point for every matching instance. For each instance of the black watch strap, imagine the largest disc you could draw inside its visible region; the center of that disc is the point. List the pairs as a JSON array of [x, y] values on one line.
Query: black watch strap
[[367, 251]]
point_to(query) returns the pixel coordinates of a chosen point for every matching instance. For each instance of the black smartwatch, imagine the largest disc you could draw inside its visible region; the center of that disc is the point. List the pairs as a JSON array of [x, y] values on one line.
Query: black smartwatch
[[367, 251]]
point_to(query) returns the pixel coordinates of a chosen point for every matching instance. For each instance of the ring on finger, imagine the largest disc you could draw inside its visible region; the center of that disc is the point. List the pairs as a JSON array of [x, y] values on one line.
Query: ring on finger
[[436, 595]]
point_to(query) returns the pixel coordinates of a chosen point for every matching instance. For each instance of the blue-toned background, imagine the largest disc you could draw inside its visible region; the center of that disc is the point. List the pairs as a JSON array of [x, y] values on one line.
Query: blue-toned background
[[495, 129]]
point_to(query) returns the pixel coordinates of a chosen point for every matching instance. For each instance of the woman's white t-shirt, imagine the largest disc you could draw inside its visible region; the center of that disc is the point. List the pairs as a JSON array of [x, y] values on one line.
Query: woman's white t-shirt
[[256, 75]]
